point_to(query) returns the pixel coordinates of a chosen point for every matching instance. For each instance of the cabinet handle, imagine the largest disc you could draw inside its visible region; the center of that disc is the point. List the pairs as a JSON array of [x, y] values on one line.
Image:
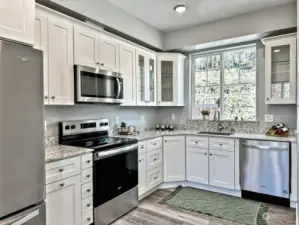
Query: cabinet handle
[[88, 161], [155, 178], [88, 176], [60, 170], [98, 63], [102, 64], [53, 97], [88, 219], [88, 205], [140, 160], [142, 147], [206, 153], [210, 154], [220, 144], [268, 99], [61, 185], [88, 190], [46, 97], [196, 142], [154, 143], [155, 159]]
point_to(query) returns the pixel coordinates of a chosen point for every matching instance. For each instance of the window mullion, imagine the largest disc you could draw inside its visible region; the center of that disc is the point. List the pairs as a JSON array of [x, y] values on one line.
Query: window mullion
[[221, 86]]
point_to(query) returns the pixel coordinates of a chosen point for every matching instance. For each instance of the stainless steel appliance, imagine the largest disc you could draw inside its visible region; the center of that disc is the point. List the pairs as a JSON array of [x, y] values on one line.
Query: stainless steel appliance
[[265, 167], [115, 171], [98, 86], [22, 156]]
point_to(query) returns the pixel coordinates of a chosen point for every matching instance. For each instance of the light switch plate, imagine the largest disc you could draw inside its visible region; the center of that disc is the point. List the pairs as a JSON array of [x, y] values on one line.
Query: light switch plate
[[269, 118], [173, 116]]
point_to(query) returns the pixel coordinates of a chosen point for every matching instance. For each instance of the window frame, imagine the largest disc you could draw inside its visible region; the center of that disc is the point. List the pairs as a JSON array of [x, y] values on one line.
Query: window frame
[[220, 51]]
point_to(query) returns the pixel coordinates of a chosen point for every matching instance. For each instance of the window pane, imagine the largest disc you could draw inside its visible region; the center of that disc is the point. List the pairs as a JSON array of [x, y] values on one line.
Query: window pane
[[247, 75], [201, 79], [213, 77], [231, 76]]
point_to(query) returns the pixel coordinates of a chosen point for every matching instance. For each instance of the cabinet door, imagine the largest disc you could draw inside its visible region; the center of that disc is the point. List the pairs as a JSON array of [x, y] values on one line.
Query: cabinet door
[[222, 169], [281, 70], [174, 158], [141, 78], [197, 165], [152, 82], [17, 20], [109, 54], [85, 46], [40, 43], [142, 176], [60, 59], [294, 173], [166, 79], [127, 69], [63, 202]]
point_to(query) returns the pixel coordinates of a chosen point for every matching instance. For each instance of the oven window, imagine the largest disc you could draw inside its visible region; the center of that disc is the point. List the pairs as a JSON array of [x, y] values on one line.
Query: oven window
[[114, 176]]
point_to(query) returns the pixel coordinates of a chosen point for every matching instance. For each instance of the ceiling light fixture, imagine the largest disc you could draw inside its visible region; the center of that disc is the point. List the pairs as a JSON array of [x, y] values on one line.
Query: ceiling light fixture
[[276, 50], [180, 8]]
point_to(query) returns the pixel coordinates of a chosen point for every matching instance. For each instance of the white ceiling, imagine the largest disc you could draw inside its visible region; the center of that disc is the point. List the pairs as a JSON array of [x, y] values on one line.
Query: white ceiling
[[160, 13]]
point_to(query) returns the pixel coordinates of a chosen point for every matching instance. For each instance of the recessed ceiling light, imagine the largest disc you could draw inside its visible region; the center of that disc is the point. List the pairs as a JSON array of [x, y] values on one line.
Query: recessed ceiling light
[[180, 8], [276, 50]]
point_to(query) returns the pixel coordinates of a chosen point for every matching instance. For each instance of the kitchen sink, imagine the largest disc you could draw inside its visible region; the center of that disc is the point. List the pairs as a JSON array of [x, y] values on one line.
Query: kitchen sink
[[215, 133]]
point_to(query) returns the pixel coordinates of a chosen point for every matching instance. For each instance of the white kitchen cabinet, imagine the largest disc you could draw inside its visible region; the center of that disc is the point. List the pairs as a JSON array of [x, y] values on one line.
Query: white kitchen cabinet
[[60, 61], [154, 177], [294, 173], [197, 165], [146, 78], [109, 53], [170, 79], [17, 20], [86, 46], [174, 158], [128, 71], [280, 69], [222, 169], [63, 202], [142, 174]]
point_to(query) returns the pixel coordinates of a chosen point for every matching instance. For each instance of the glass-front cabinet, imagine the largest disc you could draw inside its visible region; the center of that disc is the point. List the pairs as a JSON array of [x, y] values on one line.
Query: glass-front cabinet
[[146, 78], [170, 79], [280, 69]]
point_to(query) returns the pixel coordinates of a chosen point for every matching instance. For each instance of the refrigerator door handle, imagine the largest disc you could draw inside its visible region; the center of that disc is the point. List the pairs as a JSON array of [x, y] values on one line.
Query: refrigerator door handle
[[27, 218]]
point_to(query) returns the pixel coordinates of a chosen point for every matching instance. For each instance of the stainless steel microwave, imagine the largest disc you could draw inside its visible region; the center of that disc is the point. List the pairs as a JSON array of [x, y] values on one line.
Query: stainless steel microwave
[[97, 86]]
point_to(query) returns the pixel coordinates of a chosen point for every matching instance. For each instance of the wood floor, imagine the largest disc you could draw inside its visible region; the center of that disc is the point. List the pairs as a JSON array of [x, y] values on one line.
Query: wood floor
[[151, 212]]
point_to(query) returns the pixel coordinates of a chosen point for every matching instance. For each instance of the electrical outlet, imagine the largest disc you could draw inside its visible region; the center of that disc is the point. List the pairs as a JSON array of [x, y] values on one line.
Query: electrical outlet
[[269, 118], [117, 120], [173, 116]]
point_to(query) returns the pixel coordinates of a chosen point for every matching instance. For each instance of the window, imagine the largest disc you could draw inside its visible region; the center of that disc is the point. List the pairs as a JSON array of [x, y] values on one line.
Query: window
[[225, 81]]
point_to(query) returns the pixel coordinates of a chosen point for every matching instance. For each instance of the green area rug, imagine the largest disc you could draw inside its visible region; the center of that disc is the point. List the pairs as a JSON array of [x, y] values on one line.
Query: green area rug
[[218, 205]]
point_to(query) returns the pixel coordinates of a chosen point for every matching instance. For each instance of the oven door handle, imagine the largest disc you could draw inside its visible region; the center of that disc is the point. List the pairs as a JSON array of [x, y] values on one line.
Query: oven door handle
[[106, 154], [118, 87]]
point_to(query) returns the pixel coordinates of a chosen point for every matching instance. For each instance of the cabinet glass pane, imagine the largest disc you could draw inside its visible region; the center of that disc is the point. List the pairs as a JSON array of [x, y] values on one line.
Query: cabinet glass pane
[[167, 81], [141, 68], [280, 72], [152, 80]]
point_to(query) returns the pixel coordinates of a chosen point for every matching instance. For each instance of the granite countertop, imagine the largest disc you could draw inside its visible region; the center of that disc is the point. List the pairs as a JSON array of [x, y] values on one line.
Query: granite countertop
[[153, 134], [60, 152]]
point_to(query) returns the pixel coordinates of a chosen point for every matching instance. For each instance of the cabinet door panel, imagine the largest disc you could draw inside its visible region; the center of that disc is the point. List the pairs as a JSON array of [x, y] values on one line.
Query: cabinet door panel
[[85, 46], [109, 54], [154, 177], [174, 158], [198, 165], [142, 174], [17, 20], [127, 69], [63, 202], [61, 72], [222, 169], [141, 78]]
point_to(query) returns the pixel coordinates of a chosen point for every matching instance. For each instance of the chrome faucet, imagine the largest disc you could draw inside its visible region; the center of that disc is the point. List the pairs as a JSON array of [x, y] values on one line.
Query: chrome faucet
[[220, 128]]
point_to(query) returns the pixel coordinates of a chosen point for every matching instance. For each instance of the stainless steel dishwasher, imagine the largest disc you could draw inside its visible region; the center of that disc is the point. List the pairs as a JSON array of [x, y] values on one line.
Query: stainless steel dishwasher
[[265, 167]]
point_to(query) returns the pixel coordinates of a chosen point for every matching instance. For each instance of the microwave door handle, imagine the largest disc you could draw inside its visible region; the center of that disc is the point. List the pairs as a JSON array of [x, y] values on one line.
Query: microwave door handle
[[118, 87]]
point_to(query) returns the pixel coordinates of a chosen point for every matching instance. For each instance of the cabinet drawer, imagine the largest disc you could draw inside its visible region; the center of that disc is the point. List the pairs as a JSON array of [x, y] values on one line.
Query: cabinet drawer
[[141, 147], [154, 159], [61, 184], [195, 141], [154, 144], [225, 144], [154, 177], [87, 204], [87, 190], [86, 161], [86, 176], [87, 218], [62, 169]]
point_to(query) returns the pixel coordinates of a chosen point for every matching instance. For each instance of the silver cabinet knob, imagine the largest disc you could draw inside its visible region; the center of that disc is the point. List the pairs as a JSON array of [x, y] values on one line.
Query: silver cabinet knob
[[53, 97], [102, 64], [140, 160], [61, 185], [61, 170], [88, 219], [88, 161], [206, 153], [210, 154], [88, 176], [88, 205], [46, 97], [268, 99], [88, 190]]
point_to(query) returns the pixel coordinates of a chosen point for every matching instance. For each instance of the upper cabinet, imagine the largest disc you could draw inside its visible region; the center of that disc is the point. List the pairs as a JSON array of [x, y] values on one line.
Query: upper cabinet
[[170, 79], [17, 20], [280, 69], [146, 78]]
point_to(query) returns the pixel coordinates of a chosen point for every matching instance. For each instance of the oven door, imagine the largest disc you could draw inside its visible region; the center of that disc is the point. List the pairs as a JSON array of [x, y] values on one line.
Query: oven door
[[115, 174], [98, 86]]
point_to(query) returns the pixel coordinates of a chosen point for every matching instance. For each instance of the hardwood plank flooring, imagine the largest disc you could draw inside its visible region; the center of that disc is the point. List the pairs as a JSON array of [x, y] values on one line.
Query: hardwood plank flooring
[[151, 212]]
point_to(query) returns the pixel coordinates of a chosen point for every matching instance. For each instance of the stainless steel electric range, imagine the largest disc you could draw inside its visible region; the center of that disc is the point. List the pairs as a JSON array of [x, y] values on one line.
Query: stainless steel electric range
[[115, 170]]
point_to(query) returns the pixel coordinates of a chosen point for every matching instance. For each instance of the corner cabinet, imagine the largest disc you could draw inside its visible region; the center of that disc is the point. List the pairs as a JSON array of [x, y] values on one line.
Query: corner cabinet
[[146, 78], [280, 69], [170, 79], [17, 20]]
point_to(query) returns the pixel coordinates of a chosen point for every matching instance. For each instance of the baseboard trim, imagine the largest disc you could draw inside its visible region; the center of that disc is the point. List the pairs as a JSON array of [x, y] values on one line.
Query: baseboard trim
[[148, 193]]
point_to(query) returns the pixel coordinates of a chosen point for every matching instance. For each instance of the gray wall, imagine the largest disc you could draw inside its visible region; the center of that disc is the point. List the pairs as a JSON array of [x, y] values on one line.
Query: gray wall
[[263, 21], [106, 13], [282, 113]]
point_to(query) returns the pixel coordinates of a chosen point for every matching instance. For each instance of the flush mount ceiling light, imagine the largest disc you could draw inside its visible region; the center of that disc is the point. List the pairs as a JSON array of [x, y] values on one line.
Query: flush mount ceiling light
[[276, 50], [180, 8]]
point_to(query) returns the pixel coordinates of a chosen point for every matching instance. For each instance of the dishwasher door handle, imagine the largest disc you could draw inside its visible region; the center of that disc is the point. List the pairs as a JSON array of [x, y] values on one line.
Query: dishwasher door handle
[[261, 147]]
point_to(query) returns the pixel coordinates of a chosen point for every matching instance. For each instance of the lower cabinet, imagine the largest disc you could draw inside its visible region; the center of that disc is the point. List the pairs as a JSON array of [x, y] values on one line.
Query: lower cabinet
[[222, 169], [142, 176], [197, 165], [154, 177], [174, 158], [63, 202]]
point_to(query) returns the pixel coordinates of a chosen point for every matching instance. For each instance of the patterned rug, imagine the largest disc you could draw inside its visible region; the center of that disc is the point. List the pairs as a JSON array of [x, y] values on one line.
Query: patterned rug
[[227, 207]]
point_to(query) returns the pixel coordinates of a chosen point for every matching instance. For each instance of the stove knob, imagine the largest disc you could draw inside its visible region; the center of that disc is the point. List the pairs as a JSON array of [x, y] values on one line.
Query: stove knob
[[106, 124], [102, 124]]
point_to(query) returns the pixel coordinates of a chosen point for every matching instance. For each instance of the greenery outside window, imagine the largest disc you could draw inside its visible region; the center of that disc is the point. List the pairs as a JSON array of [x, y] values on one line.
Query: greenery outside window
[[225, 81]]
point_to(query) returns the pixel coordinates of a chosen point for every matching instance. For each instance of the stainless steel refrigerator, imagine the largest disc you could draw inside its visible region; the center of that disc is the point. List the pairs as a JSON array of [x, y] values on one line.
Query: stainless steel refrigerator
[[22, 159]]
